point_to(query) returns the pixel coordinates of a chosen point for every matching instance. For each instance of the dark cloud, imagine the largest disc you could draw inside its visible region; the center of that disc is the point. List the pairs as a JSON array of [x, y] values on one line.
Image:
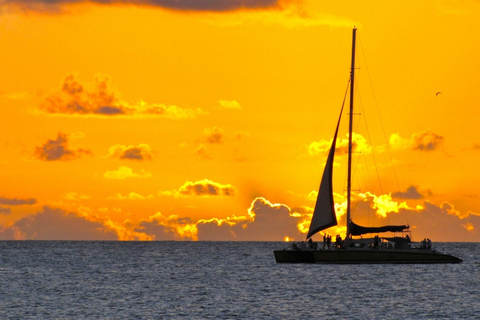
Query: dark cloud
[[57, 149], [74, 98], [213, 5], [427, 141], [411, 193], [16, 201], [160, 227], [214, 135], [206, 188], [100, 99], [437, 222], [443, 222], [157, 231], [266, 222], [133, 154], [202, 152], [212, 231], [140, 152], [56, 224], [4, 210], [109, 110], [179, 5]]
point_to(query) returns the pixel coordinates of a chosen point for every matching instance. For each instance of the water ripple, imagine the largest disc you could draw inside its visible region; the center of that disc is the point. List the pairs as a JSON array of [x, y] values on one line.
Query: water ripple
[[223, 280]]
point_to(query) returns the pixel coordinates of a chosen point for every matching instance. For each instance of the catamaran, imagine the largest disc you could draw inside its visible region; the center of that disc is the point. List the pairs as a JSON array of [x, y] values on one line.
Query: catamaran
[[377, 249]]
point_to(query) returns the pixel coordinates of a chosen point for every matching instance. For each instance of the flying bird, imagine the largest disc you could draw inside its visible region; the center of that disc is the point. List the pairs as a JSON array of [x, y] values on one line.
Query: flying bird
[[437, 93]]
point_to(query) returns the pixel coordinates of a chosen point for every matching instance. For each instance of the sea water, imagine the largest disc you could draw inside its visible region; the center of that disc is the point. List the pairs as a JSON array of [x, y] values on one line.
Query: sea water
[[224, 280]]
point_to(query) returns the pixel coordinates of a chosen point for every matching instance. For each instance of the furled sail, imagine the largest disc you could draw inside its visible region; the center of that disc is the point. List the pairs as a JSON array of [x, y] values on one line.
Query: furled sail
[[324, 213], [357, 230]]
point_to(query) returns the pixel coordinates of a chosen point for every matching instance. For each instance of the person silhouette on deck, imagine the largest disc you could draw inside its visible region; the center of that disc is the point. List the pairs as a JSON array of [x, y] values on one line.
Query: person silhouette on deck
[[376, 241]]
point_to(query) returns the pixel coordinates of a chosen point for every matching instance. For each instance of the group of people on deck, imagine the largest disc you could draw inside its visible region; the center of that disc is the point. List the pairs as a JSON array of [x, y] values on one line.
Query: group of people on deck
[[339, 243], [327, 241], [427, 244]]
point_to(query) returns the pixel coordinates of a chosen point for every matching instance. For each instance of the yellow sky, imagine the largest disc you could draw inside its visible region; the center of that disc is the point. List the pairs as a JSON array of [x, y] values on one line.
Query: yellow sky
[[156, 120]]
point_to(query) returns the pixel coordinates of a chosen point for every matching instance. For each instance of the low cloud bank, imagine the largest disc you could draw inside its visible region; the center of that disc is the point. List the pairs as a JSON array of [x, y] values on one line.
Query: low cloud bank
[[263, 221]]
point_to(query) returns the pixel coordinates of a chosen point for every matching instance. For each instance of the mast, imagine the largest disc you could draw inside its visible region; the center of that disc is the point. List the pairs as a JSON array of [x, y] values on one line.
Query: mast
[[350, 134]]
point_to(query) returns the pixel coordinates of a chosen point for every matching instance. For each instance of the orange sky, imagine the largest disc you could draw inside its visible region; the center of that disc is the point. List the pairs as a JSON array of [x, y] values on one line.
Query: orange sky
[[183, 120]]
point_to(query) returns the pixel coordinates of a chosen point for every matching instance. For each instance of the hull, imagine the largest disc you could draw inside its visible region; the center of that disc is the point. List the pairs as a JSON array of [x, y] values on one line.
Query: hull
[[352, 256]]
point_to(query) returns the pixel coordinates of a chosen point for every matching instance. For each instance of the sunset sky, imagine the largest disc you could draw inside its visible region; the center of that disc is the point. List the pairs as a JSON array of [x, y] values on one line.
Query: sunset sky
[[211, 120]]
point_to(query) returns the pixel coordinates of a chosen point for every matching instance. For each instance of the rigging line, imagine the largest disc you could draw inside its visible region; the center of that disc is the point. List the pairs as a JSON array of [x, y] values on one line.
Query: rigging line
[[383, 128], [358, 161], [362, 174], [369, 139], [343, 104]]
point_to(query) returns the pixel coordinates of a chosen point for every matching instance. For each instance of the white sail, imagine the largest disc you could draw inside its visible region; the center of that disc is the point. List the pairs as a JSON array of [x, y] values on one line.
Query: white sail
[[324, 213]]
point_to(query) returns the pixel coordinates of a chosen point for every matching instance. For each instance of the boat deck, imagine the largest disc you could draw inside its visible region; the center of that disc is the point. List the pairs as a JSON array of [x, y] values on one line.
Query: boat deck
[[365, 255]]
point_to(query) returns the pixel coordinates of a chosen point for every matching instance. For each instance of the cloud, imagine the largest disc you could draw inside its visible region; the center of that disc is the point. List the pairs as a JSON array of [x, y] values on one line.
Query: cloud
[[76, 196], [426, 141], [17, 201], [4, 210], [225, 13], [183, 5], [366, 204], [450, 209], [423, 141], [360, 144], [160, 227], [271, 220], [56, 224], [383, 204], [413, 193], [201, 152], [58, 149], [214, 135], [141, 152], [445, 222], [428, 220], [264, 221], [125, 172], [106, 210], [230, 104], [130, 196], [14, 202], [204, 188], [288, 13], [101, 100]]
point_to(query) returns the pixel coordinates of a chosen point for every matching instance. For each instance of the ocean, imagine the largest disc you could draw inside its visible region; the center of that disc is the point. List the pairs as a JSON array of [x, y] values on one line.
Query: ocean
[[224, 280]]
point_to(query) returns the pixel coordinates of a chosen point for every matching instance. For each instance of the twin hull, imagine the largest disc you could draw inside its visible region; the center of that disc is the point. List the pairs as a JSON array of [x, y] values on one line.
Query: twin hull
[[353, 256]]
